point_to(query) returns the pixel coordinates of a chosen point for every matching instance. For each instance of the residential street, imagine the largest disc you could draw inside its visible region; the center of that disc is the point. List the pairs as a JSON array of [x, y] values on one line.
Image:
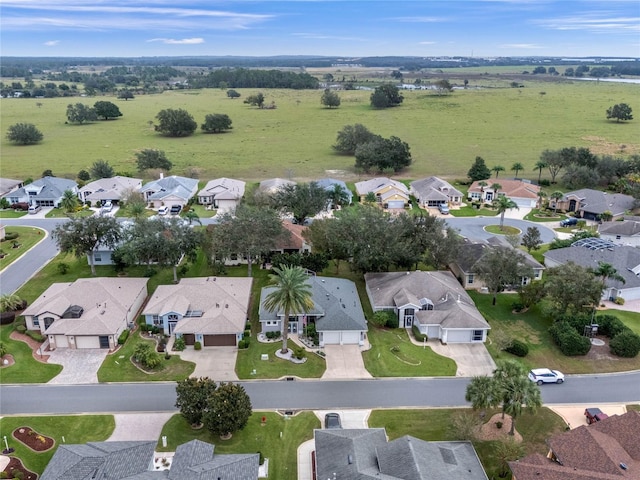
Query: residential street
[[473, 227]]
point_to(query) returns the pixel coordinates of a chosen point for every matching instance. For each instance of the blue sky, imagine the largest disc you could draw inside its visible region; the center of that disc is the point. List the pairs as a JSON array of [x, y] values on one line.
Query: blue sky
[[486, 28]]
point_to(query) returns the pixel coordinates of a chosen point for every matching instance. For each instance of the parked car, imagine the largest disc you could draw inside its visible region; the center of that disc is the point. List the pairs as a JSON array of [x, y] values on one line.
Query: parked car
[[594, 415], [546, 375], [34, 209], [163, 210], [107, 207], [175, 209], [568, 222], [332, 420], [444, 209]]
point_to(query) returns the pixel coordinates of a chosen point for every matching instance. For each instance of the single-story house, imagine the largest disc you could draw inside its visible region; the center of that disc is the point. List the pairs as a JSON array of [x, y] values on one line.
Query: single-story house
[[464, 267], [169, 191], [46, 192], [137, 460], [209, 310], [589, 251], [8, 185], [329, 184], [87, 313], [272, 185], [223, 194], [295, 241], [591, 204], [109, 189], [605, 450], [433, 191], [626, 232], [389, 193], [522, 192], [434, 301], [367, 454], [336, 312]]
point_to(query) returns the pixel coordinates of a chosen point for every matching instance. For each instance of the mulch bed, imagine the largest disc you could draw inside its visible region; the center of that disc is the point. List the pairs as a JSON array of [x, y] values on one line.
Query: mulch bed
[[16, 464], [601, 352], [29, 437]]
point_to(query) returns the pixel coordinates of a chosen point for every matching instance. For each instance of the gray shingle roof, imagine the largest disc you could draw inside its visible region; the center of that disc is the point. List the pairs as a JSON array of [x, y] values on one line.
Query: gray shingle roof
[[329, 184], [52, 188], [180, 187], [470, 253], [627, 228], [597, 202], [434, 188]]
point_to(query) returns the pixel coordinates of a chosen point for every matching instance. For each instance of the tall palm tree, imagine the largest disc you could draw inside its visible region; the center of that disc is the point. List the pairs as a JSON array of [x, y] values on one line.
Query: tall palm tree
[[541, 195], [292, 294], [522, 393], [496, 187], [69, 201], [192, 216], [497, 169], [136, 209], [540, 164], [338, 196], [607, 271], [517, 167], [557, 195], [502, 204], [482, 393]]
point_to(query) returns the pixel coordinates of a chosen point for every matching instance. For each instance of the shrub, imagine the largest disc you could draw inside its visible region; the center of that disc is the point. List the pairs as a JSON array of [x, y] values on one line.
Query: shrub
[[499, 424], [7, 317], [261, 458], [416, 333], [545, 183], [619, 301], [4, 475], [35, 334], [570, 342], [197, 346], [392, 321], [123, 337], [247, 334], [63, 268], [625, 344], [379, 318], [179, 344], [610, 326], [167, 356], [11, 236], [144, 327], [517, 348], [273, 335], [21, 328], [149, 272], [299, 353], [243, 344]]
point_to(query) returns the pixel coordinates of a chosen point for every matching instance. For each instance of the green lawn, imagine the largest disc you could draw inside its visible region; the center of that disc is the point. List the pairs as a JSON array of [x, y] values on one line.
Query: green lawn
[[118, 367], [25, 369], [10, 213], [74, 429], [250, 359], [532, 328], [28, 237], [535, 215], [59, 213], [472, 212], [278, 439], [393, 355], [201, 211], [435, 425], [505, 230], [298, 135]]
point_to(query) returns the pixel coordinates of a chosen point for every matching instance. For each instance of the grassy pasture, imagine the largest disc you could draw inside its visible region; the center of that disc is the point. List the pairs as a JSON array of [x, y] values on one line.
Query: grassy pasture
[[445, 133]]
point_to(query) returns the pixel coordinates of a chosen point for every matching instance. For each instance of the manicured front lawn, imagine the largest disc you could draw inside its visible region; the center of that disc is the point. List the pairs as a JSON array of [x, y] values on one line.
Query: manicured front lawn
[[74, 429], [505, 230], [27, 238], [117, 367], [537, 215], [250, 359], [201, 211], [60, 213], [393, 355], [25, 369], [435, 425], [532, 327], [472, 212], [11, 213], [278, 439]]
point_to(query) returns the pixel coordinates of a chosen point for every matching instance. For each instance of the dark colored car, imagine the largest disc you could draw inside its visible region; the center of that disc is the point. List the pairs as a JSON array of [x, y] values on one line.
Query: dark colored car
[[568, 222], [594, 415], [175, 209], [332, 420]]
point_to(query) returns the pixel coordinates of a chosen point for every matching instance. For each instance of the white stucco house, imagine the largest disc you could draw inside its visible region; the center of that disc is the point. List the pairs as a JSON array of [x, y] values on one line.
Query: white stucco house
[[223, 194], [433, 191], [389, 193], [433, 301], [522, 192], [109, 189], [46, 192]]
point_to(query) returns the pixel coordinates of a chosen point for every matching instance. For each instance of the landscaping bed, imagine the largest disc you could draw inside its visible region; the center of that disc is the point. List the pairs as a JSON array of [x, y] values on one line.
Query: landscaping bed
[[15, 464], [33, 440]]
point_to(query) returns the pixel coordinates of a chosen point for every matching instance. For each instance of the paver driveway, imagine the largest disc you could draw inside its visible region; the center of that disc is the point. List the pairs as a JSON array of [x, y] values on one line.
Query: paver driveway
[[79, 365]]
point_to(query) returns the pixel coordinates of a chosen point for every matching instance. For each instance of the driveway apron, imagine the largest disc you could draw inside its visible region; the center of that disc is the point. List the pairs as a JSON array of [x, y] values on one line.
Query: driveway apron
[[217, 363], [472, 359], [344, 361], [80, 366]]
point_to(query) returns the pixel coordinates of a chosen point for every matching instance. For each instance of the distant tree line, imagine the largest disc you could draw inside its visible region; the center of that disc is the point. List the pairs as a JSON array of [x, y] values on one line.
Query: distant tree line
[[245, 78]]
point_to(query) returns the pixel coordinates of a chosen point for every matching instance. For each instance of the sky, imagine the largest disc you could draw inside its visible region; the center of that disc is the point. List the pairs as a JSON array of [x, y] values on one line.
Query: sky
[[425, 28]]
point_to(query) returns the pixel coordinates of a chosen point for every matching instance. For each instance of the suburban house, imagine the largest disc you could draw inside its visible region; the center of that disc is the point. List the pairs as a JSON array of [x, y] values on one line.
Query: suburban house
[[223, 194], [434, 301], [605, 450], [294, 242], [169, 191], [589, 251], [209, 310], [464, 267], [137, 460], [591, 204], [87, 313], [366, 454], [46, 192], [8, 185], [522, 192], [109, 189], [336, 313], [389, 193], [626, 232], [272, 185], [433, 191], [329, 184]]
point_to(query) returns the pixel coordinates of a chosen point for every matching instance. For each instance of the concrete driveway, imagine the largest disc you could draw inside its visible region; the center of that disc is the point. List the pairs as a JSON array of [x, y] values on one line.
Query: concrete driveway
[[217, 363], [344, 361], [573, 415], [79, 365], [472, 359], [138, 426]]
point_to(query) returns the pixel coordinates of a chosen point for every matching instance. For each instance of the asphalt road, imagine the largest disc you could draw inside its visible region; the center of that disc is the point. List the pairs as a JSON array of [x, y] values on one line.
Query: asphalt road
[[473, 227], [303, 394]]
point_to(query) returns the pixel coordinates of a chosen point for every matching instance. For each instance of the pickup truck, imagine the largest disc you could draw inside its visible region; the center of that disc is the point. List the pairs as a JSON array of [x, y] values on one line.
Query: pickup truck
[[594, 415]]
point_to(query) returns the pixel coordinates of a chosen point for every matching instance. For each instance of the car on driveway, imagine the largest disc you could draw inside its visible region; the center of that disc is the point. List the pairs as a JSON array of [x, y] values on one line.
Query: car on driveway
[[546, 375], [332, 420], [444, 208], [163, 210], [569, 222], [594, 415]]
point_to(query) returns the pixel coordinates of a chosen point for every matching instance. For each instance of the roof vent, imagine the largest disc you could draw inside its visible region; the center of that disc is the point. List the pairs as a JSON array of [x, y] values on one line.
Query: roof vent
[[349, 459]]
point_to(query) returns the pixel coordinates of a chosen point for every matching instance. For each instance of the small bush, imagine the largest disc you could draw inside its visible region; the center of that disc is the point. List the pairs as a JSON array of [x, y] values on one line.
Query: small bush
[[35, 334], [261, 458], [247, 326], [63, 268], [7, 317], [243, 344], [299, 353], [149, 272], [123, 337], [167, 356], [273, 335], [144, 327], [420, 337], [610, 326], [570, 342], [197, 346], [247, 334], [625, 344], [517, 348], [4, 475], [545, 183], [21, 328], [179, 344], [392, 321], [499, 424], [619, 301], [17, 475], [11, 236], [517, 307]]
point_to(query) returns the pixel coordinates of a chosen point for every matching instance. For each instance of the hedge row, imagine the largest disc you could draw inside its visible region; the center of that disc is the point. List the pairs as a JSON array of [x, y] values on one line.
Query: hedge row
[[570, 342]]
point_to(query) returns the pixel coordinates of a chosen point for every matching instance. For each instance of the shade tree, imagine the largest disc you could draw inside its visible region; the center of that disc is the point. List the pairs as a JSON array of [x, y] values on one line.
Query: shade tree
[[385, 96], [382, 154], [501, 268], [620, 112], [228, 410], [330, 99], [192, 398], [151, 158], [101, 169], [175, 123], [106, 110], [216, 123], [350, 137], [572, 288], [479, 170], [302, 200], [81, 113], [24, 134]]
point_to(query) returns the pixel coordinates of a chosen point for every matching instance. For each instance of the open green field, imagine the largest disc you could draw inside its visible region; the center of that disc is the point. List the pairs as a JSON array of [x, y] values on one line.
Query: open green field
[[503, 125]]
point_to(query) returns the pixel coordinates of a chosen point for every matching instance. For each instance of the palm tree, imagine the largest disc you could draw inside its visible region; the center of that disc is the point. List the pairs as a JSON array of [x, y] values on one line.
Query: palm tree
[[292, 293], [541, 195], [517, 167], [497, 169], [540, 164], [482, 393], [136, 209], [69, 201], [607, 271], [502, 204], [338, 196], [192, 216], [10, 302], [496, 187], [521, 393], [557, 195]]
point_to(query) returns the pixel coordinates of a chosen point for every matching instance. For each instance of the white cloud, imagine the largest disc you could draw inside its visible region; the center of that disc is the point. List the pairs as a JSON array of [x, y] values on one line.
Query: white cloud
[[51, 43], [420, 19], [526, 46], [594, 23], [173, 41], [427, 43]]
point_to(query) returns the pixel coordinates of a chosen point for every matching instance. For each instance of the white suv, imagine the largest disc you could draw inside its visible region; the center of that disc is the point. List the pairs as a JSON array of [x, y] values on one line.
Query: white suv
[[545, 375], [163, 210]]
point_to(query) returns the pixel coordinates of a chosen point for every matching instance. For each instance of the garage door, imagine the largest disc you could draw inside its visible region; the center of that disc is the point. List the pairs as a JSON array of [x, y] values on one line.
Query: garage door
[[350, 338], [61, 341], [458, 336], [395, 204], [88, 342], [433, 332], [331, 338], [227, 340], [189, 338]]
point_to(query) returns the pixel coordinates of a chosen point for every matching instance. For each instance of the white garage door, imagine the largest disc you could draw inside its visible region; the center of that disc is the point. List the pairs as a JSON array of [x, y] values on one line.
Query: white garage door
[[433, 332], [331, 338], [350, 338], [630, 293], [458, 336], [524, 202], [396, 204], [61, 341], [88, 342]]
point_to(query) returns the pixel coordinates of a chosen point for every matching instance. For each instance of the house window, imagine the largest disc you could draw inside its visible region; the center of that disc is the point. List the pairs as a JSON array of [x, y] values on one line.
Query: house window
[[36, 322], [476, 195], [97, 257], [537, 273], [470, 278], [172, 317], [618, 237], [234, 256], [477, 336], [271, 323], [156, 320]]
